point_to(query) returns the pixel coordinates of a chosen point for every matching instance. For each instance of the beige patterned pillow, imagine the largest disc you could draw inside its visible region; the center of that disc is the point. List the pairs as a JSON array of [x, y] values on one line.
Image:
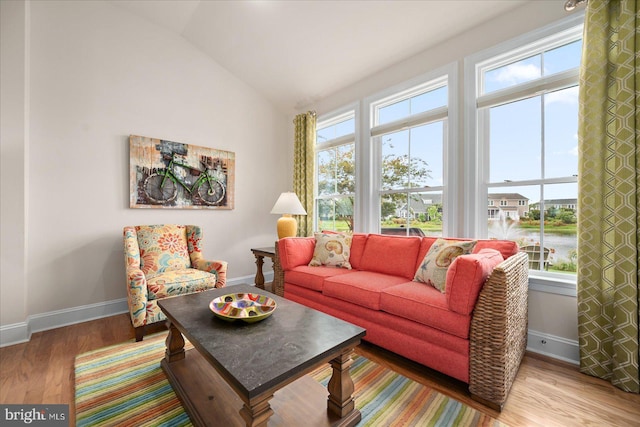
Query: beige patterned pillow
[[163, 248], [332, 250], [433, 270]]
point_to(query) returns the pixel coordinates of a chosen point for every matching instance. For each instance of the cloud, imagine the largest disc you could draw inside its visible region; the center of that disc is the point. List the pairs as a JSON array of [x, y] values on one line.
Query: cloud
[[565, 96], [574, 151], [517, 73]]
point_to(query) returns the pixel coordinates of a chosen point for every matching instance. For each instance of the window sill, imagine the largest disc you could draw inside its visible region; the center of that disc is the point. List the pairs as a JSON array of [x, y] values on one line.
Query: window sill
[[553, 285]]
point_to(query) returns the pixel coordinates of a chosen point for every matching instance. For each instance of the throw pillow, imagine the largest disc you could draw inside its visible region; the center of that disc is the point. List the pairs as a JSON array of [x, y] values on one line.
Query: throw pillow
[[162, 248], [332, 250], [433, 270]]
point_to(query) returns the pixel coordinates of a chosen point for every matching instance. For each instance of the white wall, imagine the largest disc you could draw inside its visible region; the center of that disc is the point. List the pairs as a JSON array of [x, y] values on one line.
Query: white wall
[[552, 318], [97, 75], [13, 177]]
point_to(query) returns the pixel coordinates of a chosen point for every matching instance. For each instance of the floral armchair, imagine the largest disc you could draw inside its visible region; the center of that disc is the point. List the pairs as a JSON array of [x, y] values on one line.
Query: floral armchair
[[164, 261]]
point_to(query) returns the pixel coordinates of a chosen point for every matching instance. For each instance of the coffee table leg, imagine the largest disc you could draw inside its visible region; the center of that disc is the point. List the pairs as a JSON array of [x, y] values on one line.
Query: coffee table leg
[[341, 388], [175, 345], [257, 413]]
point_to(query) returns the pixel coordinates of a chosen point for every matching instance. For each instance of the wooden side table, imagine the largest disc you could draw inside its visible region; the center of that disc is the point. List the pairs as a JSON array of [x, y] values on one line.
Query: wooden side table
[[277, 286], [260, 253]]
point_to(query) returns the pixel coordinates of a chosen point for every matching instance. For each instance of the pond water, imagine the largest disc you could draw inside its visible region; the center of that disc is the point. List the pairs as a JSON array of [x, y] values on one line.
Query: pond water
[[560, 243]]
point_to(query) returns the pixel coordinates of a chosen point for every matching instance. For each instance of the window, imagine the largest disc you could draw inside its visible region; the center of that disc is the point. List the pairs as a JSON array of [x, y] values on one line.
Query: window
[[335, 172], [392, 162], [526, 116], [409, 136]]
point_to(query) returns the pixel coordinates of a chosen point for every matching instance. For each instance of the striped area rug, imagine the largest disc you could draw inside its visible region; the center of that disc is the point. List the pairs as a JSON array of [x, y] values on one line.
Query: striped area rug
[[123, 385], [386, 398]]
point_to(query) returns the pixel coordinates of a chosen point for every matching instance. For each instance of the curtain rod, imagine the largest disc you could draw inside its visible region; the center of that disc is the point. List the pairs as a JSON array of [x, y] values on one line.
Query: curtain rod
[[311, 112]]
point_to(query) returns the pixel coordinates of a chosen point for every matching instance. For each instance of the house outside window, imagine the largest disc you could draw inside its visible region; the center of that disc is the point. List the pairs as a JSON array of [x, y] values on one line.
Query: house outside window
[[335, 172], [525, 108], [511, 206]]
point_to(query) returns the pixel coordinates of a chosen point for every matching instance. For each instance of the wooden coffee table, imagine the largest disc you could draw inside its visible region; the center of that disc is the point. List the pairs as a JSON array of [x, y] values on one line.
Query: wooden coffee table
[[252, 374]]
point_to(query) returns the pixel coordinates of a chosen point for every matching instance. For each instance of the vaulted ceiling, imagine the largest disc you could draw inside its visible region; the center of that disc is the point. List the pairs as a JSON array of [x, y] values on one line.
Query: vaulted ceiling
[[296, 52]]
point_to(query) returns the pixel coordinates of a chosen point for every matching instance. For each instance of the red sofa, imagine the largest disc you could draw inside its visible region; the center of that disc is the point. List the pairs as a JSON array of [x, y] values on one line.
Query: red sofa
[[474, 332]]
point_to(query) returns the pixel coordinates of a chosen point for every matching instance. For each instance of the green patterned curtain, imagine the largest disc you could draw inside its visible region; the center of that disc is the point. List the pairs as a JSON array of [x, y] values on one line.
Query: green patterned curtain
[[609, 192], [303, 168]]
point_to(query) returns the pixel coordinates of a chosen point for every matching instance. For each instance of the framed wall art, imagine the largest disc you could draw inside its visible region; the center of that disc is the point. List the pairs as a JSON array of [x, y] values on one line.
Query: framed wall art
[[173, 175]]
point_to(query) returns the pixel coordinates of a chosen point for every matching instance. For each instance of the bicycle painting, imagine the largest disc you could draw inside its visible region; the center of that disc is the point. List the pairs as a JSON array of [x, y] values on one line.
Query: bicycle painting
[[167, 174]]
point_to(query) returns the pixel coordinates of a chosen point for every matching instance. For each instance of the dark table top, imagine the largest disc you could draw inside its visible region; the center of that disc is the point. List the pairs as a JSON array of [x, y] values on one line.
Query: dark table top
[[255, 357], [271, 250]]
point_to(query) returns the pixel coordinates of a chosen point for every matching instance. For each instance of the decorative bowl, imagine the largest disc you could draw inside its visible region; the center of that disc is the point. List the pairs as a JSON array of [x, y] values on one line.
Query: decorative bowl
[[247, 307]]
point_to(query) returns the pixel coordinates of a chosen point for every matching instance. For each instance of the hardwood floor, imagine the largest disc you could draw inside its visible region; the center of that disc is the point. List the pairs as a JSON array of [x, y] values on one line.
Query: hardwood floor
[[546, 392]]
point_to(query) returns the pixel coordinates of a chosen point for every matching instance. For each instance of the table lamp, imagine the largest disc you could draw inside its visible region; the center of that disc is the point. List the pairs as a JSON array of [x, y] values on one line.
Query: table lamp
[[288, 204]]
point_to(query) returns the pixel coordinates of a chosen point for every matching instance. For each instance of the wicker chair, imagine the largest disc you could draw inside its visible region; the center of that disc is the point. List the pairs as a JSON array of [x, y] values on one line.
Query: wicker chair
[[164, 261], [533, 252]]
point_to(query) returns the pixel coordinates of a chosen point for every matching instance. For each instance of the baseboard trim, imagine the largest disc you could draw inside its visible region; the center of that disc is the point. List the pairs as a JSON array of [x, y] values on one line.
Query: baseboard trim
[[17, 333], [21, 332], [553, 346], [268, 277], [71, 316]]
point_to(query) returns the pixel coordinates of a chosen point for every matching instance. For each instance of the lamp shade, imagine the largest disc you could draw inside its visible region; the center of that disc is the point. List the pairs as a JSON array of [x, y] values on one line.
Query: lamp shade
[[288, 203]]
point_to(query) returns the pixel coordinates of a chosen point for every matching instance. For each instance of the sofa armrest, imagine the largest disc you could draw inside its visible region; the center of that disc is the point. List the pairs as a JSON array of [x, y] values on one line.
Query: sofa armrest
[[466, 277], [137, 296], [498, 336], [136, 280], [131, 248], [217, 267], [295, 251]]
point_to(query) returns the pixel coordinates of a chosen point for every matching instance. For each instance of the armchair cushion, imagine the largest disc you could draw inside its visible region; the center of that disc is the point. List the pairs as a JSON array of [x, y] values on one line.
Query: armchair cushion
[[162, 248], [179, 282]]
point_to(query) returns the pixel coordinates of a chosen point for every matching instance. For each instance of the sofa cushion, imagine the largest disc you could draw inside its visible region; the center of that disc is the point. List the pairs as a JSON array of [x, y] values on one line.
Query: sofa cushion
[[360, 287], [332, 249], [295, 251], [357, 249], [425, 305], [393, 255], [434, 267], [466, 277], [162, 248], [505, 247], [312, 277], [372, 320]]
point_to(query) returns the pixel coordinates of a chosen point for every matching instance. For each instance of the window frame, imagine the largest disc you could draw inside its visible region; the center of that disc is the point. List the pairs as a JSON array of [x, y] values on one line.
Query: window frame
[[443, 76], [477, 105], [350, 111]]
